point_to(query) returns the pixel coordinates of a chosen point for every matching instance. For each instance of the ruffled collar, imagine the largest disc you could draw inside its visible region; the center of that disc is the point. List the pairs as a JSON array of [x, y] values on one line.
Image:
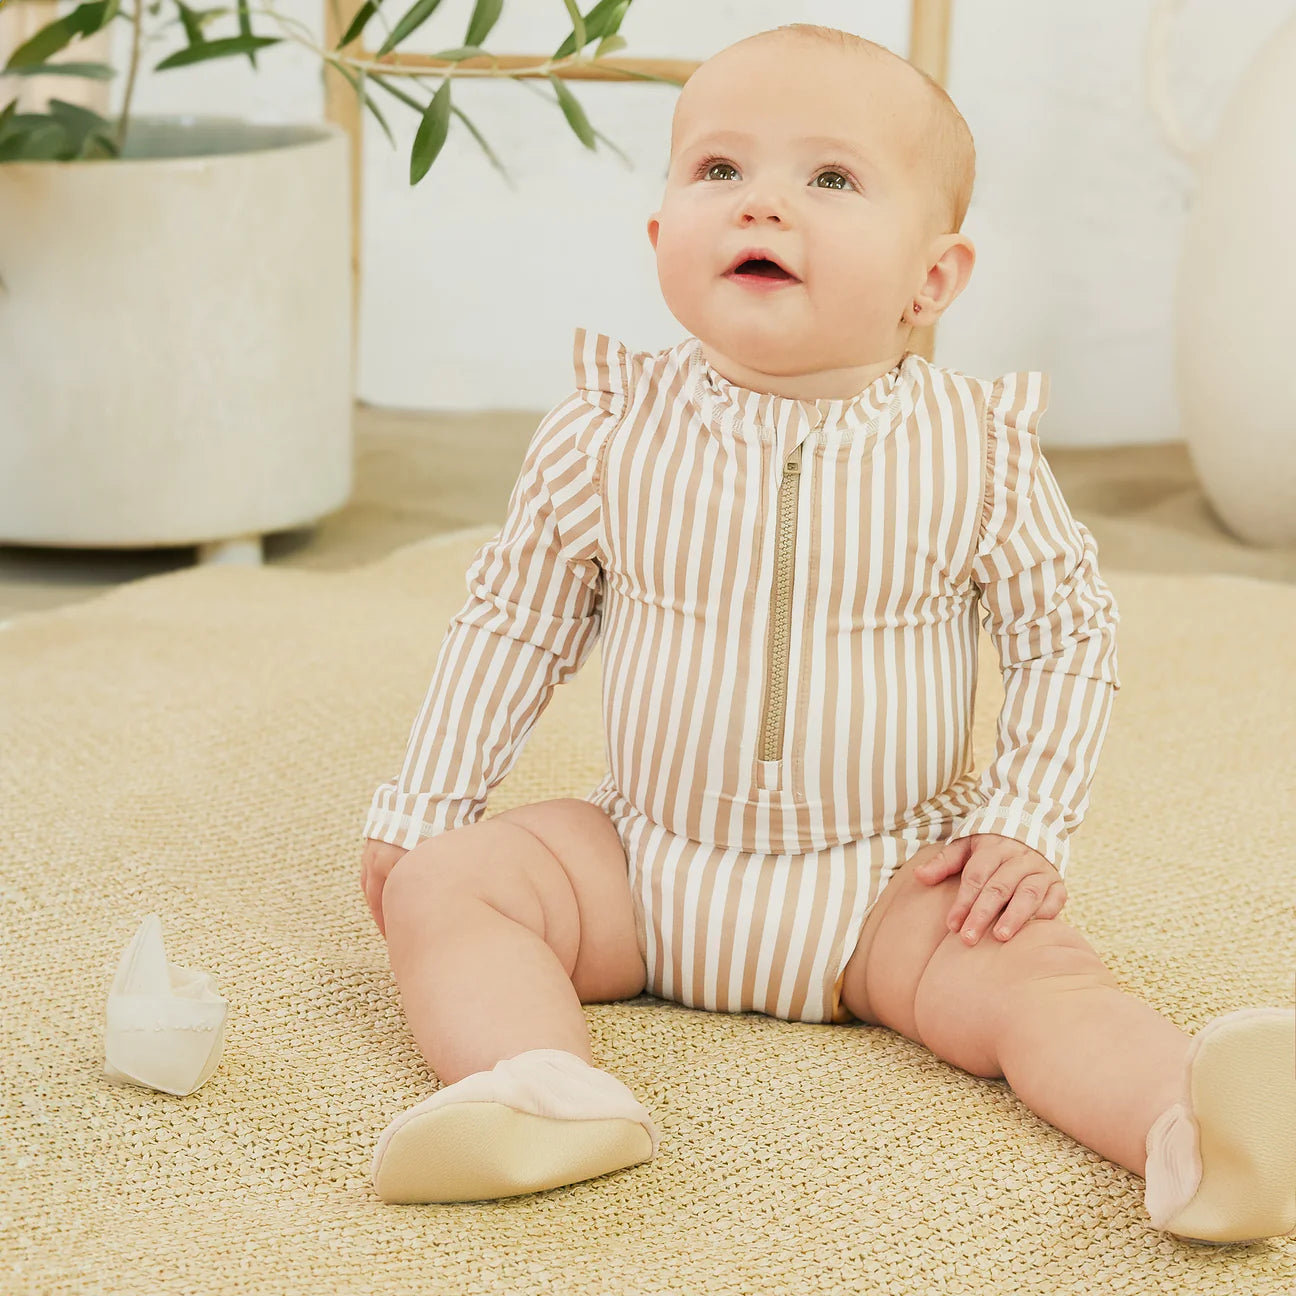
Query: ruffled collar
[[733, 410]]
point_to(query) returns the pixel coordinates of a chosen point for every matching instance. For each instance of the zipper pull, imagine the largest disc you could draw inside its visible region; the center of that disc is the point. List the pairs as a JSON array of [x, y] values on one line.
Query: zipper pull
[[792, 464]]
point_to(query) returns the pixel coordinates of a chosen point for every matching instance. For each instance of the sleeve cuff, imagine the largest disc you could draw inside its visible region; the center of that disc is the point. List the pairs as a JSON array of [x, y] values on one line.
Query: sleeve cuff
[[1021, 820], [400, 823]]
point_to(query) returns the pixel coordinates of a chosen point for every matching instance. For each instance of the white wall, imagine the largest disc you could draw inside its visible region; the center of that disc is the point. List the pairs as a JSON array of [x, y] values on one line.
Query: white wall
[[472, 289]]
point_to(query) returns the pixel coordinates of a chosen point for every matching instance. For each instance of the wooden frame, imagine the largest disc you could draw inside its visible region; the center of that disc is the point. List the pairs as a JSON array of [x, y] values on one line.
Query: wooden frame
[[929, 27]]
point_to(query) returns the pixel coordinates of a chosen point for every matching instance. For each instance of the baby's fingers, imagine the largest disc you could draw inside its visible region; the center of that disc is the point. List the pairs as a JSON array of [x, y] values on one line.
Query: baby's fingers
[[945, 862], [372, 886], [1053, 902], [1026, 904]]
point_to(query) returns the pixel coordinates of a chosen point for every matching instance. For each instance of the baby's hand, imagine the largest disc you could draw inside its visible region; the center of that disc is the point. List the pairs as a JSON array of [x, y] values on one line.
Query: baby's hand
[[996, 870], [376, 863]]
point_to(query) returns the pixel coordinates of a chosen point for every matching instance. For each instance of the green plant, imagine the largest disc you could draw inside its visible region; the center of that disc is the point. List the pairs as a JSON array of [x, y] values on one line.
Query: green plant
[[68, 132]]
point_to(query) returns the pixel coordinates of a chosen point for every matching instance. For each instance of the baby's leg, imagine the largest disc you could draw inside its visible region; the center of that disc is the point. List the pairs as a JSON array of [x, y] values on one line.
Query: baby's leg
[[497, 933]]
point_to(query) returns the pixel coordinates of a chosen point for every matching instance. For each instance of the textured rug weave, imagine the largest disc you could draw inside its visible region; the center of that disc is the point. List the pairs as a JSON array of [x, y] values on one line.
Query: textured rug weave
[[205, 744]]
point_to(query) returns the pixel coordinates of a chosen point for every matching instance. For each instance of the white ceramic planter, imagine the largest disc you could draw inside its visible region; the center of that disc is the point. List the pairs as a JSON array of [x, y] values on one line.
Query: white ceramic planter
[[175, 339], [1237, 274]]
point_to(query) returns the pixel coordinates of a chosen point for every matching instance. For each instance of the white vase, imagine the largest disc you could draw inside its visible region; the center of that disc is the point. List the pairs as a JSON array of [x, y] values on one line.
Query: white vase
[[175, 339], [1234, 332]]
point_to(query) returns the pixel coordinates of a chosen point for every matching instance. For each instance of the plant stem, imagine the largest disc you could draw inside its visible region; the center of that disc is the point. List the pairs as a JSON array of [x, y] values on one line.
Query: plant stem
[[394, 70], [137, 26], [579, 58]]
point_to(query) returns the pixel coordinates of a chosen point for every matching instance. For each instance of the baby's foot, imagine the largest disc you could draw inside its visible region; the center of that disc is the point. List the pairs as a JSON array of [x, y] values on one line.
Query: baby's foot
[[538, 1120], [1221, 1164]]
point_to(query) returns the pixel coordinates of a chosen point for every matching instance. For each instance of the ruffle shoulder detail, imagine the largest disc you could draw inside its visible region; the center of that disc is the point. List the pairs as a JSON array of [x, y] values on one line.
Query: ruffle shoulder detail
[[1014, 405], [605, 368]]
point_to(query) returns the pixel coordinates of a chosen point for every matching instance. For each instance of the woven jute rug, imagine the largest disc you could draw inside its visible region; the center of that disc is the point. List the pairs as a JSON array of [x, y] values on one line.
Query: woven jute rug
[[205, 744]]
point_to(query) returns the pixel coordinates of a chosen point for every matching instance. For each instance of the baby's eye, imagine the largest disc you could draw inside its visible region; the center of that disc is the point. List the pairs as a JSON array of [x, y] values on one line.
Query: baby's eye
[[705, 167]]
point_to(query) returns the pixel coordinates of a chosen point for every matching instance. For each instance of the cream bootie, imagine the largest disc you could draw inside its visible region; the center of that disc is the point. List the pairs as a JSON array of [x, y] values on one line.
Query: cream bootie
[[1221, 1163], [538, 1120]]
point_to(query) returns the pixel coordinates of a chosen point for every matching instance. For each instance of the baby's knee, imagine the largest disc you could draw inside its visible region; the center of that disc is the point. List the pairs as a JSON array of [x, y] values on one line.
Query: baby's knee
[[425, 880], [492, 862]]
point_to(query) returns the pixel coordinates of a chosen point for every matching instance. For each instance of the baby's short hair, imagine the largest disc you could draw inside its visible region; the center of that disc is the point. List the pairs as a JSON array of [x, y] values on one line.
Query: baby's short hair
[[948, 146]]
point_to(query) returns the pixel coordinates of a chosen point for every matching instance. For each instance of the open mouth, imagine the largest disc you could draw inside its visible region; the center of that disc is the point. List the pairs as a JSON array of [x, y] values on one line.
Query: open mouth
[[761, 269]]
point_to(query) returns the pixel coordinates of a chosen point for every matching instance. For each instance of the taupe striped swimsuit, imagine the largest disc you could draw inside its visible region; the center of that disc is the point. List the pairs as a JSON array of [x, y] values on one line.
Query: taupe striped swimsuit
[[787, 593]]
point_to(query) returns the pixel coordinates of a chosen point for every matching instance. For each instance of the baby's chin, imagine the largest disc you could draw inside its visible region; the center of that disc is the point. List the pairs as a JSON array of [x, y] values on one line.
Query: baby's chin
[[771, 346], [745, 364]]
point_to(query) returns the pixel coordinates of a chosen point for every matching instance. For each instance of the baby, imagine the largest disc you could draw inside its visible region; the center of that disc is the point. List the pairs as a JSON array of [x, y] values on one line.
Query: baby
[[783, 530]]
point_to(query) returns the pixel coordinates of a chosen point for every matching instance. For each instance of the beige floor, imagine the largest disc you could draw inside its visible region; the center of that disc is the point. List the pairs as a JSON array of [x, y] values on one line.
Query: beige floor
[[418, 474]]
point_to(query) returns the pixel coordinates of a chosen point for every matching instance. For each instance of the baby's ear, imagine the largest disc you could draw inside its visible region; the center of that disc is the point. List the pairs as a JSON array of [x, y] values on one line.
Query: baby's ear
[[654, 226]]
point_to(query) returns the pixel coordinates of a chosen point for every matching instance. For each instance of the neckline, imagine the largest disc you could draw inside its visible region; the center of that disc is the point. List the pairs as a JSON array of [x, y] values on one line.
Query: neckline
[[736, 411]]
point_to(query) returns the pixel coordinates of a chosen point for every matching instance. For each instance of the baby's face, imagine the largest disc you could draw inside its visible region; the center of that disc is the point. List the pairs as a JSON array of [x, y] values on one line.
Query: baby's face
[[753, 165]]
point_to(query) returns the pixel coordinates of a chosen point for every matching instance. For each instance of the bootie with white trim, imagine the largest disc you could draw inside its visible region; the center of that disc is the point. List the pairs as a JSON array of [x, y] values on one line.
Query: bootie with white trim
[[539, 1120], [1221, 1162]]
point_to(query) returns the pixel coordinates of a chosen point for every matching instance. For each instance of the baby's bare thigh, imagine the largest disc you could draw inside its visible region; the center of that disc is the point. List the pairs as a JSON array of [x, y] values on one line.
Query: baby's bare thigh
[[558, 867]]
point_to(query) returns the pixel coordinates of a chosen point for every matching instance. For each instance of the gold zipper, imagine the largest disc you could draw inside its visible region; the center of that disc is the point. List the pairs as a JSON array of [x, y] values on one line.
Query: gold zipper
[[779, 641]]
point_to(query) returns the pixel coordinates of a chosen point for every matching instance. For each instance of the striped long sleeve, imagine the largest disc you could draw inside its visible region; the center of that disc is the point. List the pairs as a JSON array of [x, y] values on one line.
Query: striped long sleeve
[[532, 618], [1053, 621]]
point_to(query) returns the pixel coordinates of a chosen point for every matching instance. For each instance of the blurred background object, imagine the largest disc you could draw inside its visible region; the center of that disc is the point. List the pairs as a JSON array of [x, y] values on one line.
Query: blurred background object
[[1234, 332], [175, 339]]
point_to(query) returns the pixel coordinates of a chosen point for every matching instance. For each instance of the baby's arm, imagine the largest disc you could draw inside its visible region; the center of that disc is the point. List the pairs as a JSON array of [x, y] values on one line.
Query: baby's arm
[[1053, 620], [533, 616]]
